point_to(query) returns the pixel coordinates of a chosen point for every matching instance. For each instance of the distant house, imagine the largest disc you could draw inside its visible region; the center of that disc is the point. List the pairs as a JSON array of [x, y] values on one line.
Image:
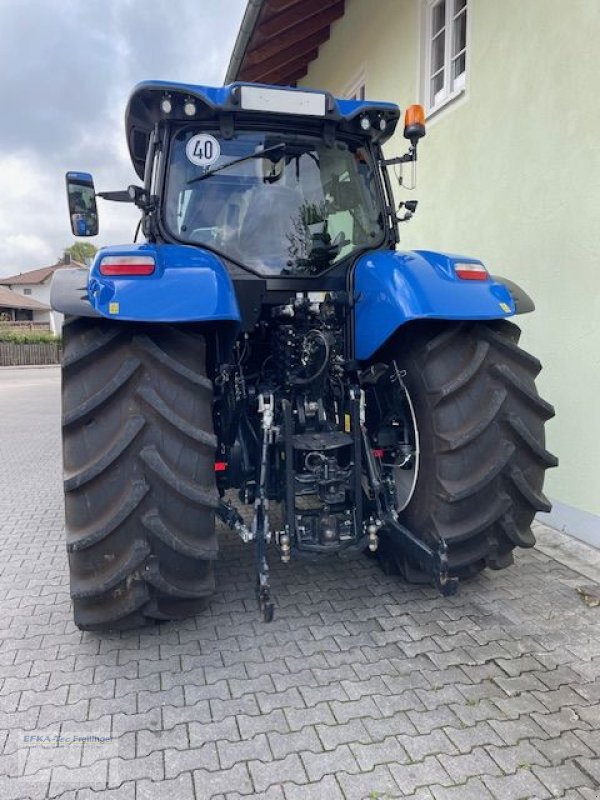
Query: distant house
[[16, 307], [31, 291]]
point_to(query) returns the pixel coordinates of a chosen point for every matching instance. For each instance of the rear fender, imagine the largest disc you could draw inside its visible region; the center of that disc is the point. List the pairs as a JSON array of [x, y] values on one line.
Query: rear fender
[[188, 285], [393, 288], [69, 292]]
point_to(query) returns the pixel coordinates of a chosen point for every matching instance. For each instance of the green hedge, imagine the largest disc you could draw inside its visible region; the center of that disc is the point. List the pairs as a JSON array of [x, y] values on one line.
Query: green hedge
[[28, 337]]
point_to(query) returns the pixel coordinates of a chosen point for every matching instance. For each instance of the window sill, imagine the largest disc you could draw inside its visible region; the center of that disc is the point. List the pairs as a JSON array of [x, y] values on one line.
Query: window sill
[[436, 110]]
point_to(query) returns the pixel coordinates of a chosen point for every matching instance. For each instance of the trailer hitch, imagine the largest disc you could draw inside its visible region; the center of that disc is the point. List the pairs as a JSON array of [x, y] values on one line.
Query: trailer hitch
[[260, 534], [230, 516], [433, 561]]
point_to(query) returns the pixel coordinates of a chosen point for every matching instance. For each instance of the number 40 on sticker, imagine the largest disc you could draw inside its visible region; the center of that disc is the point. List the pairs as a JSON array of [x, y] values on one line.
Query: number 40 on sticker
[[203, 149]]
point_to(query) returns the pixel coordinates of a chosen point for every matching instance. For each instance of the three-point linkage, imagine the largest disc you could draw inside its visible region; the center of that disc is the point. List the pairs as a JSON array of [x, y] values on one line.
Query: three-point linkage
[[260, 526], [259, 532]]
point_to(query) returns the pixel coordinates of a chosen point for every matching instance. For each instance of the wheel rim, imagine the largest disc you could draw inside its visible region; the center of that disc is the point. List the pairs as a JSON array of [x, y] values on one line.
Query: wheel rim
[[402, 468]]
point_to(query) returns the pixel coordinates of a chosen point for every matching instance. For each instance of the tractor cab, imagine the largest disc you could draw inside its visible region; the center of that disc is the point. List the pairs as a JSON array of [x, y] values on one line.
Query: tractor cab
[[275, 206], [282, 182]]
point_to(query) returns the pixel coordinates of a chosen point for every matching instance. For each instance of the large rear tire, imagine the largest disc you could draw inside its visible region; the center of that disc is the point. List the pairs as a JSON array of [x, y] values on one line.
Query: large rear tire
[[480, 427], [140, 491]]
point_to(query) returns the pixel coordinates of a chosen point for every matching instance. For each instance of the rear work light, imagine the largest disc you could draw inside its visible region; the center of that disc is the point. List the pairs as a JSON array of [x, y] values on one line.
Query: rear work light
[[127, 265], [471, 272]]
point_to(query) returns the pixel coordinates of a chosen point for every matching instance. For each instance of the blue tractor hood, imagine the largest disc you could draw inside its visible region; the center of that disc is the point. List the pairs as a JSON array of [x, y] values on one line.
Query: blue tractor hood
[[223, 105]]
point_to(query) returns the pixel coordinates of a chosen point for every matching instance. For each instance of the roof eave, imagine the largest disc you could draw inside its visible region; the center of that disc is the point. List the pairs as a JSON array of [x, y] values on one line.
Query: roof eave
[[10, 299], [245, 32]]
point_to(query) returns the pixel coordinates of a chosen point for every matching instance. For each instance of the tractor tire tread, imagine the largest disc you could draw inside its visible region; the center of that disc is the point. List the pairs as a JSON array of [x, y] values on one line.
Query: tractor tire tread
[[148, 345], [84, 409], [100, 582], [140, 490], [464, 377], [186, 489], [481, 428], [100, 529], [104, 461], [200, 436]]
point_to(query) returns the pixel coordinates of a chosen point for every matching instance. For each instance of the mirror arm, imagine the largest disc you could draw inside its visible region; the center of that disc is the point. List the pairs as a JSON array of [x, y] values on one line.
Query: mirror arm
[[133, 194], [117, 197], [407, 158]]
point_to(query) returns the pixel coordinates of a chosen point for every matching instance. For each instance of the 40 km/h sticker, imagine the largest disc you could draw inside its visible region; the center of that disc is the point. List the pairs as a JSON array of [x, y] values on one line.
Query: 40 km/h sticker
[[203, 149]]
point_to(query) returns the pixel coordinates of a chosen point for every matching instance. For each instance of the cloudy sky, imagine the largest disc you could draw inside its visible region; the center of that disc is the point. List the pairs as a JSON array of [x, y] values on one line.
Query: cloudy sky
[[66, 70]]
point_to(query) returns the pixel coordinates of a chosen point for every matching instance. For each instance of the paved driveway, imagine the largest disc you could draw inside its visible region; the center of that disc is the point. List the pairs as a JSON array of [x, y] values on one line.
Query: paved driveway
[[361, 687]]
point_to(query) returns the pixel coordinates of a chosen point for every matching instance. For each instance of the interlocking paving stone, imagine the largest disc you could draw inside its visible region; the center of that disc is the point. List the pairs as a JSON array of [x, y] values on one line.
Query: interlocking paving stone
[[265, 774], [333, 735], [428, 772], [559, 778], [180, 788], [473, 789], [319, 764], [434, 743], [272, 793], [388, 751], [376, 784], [231, 753], [250, 725], [516, 787], [469, 765], [127, 791], [325, 789], [591, 767], [297, 718], [306, 739], [362, 684], [210, 783], [179, 761]]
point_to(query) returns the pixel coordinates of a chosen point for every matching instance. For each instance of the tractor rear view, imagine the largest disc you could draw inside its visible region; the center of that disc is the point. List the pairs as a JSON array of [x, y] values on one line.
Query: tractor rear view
[[268, 343]]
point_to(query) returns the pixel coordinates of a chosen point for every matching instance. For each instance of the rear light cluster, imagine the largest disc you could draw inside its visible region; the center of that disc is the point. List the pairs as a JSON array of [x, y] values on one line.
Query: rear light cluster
[[127, 265], [471, 272]]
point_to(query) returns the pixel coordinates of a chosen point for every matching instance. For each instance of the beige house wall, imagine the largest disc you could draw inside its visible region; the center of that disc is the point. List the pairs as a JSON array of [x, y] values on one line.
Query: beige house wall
[[509, 172]]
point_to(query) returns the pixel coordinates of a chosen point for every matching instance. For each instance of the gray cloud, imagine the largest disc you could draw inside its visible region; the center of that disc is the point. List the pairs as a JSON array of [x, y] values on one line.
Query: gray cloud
[[66, 70]]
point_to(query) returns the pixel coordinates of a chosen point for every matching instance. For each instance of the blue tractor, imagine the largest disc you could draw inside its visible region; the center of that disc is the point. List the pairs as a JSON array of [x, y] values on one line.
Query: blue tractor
[[268, 344]]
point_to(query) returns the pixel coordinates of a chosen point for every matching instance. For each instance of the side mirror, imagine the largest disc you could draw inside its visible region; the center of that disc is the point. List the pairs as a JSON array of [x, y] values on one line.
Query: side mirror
[[81, 197]]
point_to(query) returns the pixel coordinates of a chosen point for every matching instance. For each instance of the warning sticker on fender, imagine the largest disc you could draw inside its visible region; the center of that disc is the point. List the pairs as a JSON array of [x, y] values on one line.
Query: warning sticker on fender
[[203, 150]]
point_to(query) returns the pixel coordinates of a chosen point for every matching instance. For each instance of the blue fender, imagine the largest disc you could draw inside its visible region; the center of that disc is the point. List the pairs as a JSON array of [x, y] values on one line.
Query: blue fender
[[187, 285], [393, 288]]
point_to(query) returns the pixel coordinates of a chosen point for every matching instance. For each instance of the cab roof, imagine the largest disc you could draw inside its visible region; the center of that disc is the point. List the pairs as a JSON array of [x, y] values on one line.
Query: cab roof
[[155, 101]]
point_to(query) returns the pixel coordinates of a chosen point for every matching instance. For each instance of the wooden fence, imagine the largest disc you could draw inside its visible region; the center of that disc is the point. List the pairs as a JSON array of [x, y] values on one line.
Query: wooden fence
[[20, 355]]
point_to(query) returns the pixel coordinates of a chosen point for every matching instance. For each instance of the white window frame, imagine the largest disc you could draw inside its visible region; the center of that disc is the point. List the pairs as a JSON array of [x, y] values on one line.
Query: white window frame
[[452, 88], [356, 89]]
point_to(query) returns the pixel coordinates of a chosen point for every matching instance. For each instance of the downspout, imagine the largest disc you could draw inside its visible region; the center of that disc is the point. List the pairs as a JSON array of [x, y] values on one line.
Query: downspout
[[245, 32]]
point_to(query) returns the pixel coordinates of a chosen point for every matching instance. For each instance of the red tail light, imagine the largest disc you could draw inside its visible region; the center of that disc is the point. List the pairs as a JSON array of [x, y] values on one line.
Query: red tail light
[[127, 265], [378, 453], [471, 272], [220, 466]]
